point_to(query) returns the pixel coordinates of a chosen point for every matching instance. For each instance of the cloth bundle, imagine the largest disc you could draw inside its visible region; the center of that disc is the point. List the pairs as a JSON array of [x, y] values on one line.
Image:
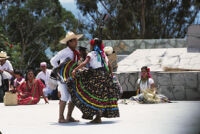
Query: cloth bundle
[[10, 99], [150, 96]]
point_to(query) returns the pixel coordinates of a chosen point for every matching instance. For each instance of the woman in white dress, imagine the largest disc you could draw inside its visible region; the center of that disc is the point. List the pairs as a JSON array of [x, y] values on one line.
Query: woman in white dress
[[145, 82], [146, 91]]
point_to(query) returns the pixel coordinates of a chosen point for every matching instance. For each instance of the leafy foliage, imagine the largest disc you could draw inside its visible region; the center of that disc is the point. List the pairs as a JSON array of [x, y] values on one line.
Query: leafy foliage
[[132, 19], [35, 25]]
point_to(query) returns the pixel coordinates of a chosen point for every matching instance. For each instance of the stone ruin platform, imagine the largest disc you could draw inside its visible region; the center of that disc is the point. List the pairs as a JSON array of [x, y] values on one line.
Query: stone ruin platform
[[156, 59], [176, 85]]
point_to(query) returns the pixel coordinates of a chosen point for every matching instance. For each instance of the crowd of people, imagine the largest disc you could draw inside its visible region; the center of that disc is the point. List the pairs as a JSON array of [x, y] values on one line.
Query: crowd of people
[[13, 79], [84, 80]]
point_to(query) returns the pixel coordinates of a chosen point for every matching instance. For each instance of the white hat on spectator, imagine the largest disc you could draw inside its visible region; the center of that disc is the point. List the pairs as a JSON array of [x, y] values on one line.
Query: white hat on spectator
[[43, 64], [108, 50]]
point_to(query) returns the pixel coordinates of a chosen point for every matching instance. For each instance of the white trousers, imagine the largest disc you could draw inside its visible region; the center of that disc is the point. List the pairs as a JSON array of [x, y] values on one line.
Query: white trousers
[[47, 91], [65, 96], [1, 79]]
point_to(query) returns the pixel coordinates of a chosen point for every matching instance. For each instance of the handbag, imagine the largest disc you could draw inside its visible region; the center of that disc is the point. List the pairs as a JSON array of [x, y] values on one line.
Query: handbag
[[10, 99]]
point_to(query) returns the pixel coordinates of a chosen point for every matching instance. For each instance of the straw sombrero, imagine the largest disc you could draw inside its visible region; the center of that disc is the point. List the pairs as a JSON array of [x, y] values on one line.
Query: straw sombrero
[[69, 36], [3, 55]]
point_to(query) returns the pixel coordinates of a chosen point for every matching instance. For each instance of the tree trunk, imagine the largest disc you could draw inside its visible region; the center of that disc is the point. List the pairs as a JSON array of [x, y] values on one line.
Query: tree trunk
[[22, 56], [23, 48], [142, 19]]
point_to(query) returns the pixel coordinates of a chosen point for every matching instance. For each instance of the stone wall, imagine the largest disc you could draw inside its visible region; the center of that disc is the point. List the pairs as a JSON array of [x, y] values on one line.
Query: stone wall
[[193, 39], [126, 47], [175, 85]]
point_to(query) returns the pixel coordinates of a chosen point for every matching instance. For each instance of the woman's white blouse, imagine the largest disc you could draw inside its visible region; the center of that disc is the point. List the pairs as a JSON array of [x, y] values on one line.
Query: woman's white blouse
[[94, 63], [145, 85]]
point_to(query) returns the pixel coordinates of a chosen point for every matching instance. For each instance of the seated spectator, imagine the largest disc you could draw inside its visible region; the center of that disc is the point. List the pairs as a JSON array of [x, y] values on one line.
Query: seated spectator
[[29, 91], [44, 76], [145, 82], [19, 79], [146, 91]]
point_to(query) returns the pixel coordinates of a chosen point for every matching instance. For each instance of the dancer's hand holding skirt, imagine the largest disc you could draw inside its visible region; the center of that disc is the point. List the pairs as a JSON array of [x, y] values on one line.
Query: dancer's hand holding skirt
[[92, 91]]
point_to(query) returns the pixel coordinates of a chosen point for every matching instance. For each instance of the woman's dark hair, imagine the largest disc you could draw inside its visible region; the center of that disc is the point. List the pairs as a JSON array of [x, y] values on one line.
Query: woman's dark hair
[[97, 43], [18, 72], [145, 68], [29, 70]]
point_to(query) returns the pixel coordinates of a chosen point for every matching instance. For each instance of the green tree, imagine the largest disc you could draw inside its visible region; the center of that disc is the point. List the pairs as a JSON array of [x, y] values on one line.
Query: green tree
[[13, 51], [141, 18], [35, 25]]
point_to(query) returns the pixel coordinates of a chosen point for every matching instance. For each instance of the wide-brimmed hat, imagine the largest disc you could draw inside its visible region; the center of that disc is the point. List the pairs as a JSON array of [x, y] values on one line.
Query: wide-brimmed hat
[[70, 36], [3, 55]]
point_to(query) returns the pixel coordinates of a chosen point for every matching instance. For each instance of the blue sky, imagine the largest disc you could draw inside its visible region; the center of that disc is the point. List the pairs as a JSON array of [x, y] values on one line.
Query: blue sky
[[70, 5]]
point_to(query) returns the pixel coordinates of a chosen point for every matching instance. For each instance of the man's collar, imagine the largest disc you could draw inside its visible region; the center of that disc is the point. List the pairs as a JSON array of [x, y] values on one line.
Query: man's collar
[[71, 48]]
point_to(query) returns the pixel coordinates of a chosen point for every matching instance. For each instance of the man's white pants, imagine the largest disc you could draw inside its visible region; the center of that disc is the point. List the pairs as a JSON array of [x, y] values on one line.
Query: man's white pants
[[65, 96], [47, 91]]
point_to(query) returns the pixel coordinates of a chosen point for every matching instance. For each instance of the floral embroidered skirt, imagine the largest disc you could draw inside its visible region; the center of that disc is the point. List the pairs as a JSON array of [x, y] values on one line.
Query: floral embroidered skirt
[[94, 92]]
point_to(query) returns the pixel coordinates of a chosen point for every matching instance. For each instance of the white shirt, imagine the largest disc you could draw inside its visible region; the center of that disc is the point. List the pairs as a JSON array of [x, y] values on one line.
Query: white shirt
[[61, 56], [44, 76], [145, 85], [94, 63], [6, 66]]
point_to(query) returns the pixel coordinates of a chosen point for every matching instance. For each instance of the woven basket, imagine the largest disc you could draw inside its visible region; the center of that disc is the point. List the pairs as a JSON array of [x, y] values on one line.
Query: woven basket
[[10, 99]]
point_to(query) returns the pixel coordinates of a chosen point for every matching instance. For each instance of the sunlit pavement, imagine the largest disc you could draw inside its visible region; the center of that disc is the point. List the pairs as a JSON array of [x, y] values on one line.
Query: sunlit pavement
[[180, 117]]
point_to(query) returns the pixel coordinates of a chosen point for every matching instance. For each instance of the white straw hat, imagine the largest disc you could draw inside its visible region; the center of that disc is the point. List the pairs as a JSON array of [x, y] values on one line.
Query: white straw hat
[[3, 55], [70, 36]]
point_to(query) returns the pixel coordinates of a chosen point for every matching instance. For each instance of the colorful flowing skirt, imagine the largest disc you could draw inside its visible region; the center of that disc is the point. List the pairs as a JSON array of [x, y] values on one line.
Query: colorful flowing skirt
[[93, 92]]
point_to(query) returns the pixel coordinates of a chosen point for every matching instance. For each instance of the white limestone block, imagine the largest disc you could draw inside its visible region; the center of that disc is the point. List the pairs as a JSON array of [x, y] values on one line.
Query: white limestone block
[[156, 59]]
